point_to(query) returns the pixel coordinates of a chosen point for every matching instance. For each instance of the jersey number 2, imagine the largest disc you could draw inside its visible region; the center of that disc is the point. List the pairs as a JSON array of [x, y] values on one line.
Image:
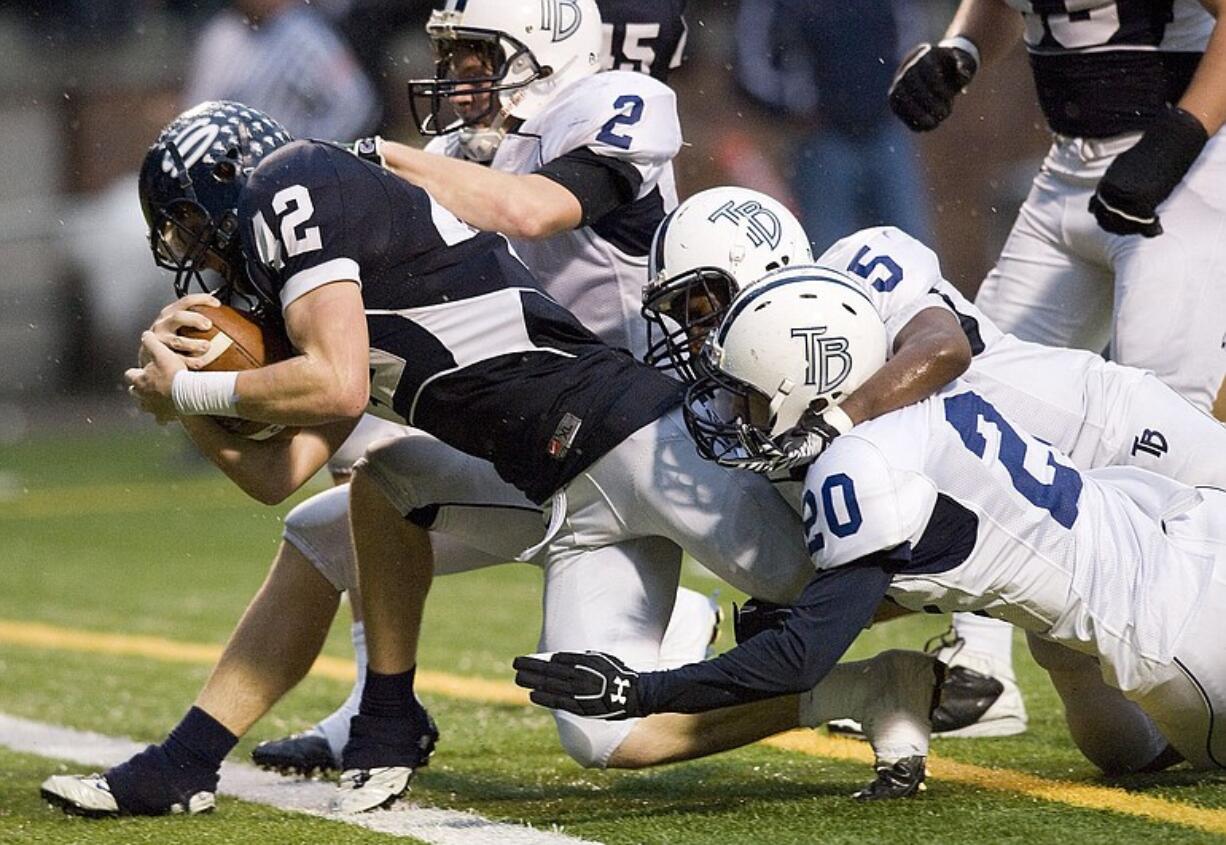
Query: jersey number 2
[[607, 135], [973, 417]]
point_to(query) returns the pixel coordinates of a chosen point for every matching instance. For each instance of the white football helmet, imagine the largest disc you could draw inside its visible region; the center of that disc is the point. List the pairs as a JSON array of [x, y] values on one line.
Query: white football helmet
[[798, 338], [531, 50], [703, 253]]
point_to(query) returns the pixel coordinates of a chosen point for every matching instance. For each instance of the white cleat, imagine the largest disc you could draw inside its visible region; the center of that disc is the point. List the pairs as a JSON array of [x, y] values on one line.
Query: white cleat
[[362, 790], [90, 796]]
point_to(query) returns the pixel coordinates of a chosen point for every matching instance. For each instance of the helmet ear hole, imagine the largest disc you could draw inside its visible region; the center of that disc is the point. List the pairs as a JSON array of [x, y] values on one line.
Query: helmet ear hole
[[226, 170]]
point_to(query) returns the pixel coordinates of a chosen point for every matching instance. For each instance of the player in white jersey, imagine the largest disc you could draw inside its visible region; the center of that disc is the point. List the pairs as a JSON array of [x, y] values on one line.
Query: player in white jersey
[[948, 504], [1100, 413], [1118, 240]]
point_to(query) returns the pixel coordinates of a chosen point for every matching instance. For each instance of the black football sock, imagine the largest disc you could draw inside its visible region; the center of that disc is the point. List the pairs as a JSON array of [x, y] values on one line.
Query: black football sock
[[378, 735], [389, 695], [170, 773]]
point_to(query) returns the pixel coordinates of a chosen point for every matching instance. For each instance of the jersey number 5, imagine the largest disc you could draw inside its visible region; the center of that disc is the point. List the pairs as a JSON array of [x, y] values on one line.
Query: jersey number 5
[[1033, 467]]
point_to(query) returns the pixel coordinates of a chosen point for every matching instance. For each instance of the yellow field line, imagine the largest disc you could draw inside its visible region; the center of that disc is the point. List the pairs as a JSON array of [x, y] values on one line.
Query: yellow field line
[[1072, 793]]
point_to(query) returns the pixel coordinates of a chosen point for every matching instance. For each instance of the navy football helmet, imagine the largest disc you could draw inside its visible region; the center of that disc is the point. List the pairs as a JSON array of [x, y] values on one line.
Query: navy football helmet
[[190, 184]]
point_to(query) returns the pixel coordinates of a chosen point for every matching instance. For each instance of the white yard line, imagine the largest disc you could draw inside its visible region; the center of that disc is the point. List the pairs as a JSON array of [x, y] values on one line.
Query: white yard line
[[443, 827]]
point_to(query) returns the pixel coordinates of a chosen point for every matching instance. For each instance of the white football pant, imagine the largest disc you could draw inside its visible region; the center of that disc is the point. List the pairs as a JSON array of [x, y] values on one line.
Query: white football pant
[[1061, 280]]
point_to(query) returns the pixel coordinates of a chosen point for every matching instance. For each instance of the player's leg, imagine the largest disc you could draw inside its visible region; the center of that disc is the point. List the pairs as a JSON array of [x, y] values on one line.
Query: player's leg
[[617, 599], [1148, 425], [1040, 290], [1187, 699], [1170, 301], [1112, 732], [267, 655]]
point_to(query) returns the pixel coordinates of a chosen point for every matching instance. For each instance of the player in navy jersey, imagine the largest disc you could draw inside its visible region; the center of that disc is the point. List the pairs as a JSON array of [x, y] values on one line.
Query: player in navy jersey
[[647, 36], [579, 172]]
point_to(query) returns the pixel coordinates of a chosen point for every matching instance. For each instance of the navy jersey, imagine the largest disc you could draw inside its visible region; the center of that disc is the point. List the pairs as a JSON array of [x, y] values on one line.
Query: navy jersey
[[647, 36], [1102, 67], [464, 344]]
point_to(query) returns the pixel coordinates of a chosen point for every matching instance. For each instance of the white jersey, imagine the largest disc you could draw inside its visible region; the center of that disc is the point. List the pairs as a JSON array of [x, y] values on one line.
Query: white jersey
[[1101, 25], [598, 271], [1069, 398], [983, 517]]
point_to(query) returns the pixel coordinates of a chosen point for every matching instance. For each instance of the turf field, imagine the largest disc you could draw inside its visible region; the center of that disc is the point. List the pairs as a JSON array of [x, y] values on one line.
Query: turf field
[[111, 606]]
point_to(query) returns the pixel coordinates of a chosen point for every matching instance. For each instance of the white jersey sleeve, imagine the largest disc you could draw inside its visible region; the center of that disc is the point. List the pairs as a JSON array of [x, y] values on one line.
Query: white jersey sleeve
[[619, 114], [902, 276], [445, 145], [857, 501]]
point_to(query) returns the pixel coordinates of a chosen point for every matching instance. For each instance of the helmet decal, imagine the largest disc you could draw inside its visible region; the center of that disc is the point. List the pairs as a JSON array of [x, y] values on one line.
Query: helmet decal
[[761, 224], [561, 17], [193, 142], [827, 360]]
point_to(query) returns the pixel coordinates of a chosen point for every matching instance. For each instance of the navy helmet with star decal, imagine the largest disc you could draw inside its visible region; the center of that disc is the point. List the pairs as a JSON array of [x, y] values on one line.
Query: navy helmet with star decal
[[190, 184]]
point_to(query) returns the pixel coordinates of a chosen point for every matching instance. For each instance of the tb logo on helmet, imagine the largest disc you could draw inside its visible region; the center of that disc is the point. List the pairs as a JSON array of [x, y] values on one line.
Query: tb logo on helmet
[[561, 17], [761, 224], [827, 361]]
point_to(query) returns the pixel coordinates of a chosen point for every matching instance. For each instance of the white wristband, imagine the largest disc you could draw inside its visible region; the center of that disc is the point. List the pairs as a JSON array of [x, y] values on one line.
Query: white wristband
[[837, 419], [205, 394], [964, 44]]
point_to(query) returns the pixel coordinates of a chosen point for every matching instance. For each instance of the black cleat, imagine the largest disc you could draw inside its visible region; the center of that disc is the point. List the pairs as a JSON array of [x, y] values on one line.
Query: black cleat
[[898, 780], [305, 754], [966, 696]]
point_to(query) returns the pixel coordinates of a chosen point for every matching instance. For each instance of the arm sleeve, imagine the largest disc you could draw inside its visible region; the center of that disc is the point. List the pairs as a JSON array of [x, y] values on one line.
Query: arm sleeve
[[830, 613], [600, 183]]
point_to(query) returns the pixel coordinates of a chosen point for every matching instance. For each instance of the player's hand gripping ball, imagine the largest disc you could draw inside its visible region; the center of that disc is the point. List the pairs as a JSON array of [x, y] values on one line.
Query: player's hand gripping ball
[[235, 342]]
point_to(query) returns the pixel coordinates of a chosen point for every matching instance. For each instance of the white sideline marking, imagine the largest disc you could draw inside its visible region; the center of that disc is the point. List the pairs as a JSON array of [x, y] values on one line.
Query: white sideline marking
[[442, 827]]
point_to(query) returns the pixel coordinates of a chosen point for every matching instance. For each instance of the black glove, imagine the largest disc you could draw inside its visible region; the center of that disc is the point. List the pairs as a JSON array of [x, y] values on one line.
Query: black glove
[[925, 84], [590, 684], [756, 616], [1143, 176]]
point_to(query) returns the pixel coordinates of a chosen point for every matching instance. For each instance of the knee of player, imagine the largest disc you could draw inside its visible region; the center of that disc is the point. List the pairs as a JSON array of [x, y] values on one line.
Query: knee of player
[[591, 742]]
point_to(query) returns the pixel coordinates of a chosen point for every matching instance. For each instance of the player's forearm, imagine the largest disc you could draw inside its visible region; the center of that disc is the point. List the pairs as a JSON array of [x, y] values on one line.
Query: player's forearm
[[303, 390], [926, 359], [1206, 95], [828, 616], [519, 205], [992, 25], [268, 470]]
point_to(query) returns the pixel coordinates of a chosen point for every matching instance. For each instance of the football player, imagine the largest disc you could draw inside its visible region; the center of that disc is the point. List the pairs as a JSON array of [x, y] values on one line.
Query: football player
[[1116, 241], [472, 353], [1117, 575], [594, 269], [1093, 410]]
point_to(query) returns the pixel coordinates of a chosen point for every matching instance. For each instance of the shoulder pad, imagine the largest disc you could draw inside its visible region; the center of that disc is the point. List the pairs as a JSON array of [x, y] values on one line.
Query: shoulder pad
[[621, 114], [858, 502]]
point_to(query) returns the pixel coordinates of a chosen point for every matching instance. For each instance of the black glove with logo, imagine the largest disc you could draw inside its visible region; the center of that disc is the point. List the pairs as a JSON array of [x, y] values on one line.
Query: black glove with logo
[[591, 684], [1143, 176], [925, 84]]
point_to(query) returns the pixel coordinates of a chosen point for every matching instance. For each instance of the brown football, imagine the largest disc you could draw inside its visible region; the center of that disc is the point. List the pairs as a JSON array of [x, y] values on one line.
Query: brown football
[[239, 343]]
